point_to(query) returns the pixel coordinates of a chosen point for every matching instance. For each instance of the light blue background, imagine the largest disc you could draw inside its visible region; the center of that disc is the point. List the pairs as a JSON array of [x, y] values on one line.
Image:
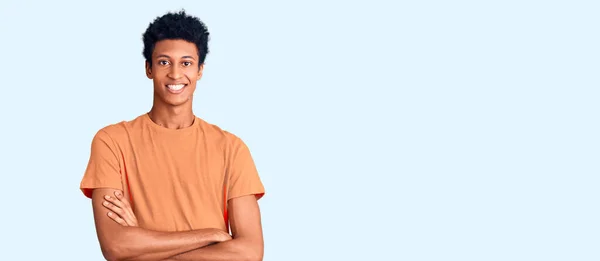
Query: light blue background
[[408, 130]]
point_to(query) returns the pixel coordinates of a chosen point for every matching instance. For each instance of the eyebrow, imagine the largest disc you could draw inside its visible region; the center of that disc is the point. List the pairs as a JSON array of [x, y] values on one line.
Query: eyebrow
[[168, 57]]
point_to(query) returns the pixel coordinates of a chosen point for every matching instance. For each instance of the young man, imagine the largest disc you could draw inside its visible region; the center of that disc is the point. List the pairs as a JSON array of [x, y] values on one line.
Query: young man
[[167, 185]]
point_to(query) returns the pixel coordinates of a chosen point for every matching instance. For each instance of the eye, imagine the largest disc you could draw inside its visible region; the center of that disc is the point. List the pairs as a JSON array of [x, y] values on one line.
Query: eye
[[163, 62], [186, 64]]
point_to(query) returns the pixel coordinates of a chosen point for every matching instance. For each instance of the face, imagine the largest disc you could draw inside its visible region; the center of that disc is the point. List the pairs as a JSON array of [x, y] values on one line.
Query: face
[[174, 71]]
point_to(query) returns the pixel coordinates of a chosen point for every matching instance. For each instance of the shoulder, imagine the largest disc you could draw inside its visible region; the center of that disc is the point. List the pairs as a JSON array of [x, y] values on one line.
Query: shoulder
[[117, 131], [221, 138], [219, 135]]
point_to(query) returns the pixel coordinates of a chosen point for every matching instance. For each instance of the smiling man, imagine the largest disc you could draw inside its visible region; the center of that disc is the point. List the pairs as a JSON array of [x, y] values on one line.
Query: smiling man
[[168, 185]]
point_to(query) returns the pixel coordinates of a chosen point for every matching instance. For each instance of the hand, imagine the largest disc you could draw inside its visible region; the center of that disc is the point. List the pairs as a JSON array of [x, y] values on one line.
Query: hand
[[221, 236], [120, 210]]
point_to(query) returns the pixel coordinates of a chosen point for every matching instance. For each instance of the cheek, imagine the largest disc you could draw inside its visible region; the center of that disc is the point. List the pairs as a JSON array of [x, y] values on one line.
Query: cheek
[[157, 84], [192, 75], [159, 75]]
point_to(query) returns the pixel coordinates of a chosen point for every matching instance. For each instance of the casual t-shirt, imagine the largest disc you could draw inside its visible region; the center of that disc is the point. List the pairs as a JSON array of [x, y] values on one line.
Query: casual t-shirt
[[176, 179]]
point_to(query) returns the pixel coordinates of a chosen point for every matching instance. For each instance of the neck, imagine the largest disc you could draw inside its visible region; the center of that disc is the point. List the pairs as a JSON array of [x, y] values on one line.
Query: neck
[[173, 117]]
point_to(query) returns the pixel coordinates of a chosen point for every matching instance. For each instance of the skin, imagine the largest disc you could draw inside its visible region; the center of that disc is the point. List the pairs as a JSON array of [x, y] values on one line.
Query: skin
[[120, 210], [134, 243], [247, 243], [175, 62]]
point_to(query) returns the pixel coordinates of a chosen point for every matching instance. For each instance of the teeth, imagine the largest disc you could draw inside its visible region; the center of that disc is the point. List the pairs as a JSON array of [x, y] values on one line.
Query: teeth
[[176, 87]]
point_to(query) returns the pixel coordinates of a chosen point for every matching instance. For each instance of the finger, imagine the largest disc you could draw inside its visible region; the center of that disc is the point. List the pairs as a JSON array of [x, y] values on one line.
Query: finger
[[123, 214], [124, 209], [122, 203], [117, 219], [114, 208], [115, 201], [119, 194], [122, 198], [125, 206]]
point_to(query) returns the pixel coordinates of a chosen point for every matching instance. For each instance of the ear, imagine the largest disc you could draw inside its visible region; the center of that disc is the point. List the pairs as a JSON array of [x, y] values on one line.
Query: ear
[[148, 70], [200, 71]]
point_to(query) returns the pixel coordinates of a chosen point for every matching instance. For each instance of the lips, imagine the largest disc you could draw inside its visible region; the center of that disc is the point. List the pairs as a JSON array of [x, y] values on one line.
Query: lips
[[176, 88]]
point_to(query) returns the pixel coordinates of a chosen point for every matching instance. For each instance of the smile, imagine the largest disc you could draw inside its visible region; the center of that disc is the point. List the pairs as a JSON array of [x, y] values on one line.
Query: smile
[[176, 88]]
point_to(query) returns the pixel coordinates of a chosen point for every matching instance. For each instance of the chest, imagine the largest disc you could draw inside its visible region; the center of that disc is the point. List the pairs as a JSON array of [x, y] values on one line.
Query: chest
[[164, 163], [175, 185]]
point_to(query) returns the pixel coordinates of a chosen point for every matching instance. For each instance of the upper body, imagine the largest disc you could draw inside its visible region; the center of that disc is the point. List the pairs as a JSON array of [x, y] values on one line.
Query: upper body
[[175, 179], [185, 180]]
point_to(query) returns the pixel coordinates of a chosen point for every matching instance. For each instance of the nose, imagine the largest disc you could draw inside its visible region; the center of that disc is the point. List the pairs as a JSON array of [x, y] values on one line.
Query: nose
[[174, 72]]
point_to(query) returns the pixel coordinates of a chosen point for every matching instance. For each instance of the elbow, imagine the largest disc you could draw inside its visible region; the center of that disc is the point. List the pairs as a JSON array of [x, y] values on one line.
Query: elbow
[[250, 257], [118, 245], [245, 250], [117, 254], [255, 257], [253, 253], [112, 252]]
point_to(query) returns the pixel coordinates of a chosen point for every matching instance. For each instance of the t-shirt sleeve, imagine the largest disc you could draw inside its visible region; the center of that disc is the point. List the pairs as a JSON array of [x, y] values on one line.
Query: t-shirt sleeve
[[103, 169], [243, 176]]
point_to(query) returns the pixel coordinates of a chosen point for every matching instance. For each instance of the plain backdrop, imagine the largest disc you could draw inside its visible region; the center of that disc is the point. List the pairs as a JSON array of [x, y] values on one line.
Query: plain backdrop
[[382, 130]]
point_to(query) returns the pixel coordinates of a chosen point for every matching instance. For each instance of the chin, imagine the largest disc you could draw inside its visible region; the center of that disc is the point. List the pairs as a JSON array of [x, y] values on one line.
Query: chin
[[177, 102]]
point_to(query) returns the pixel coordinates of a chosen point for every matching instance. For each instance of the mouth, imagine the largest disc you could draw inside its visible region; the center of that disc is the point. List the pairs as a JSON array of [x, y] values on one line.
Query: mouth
[[176, 88]]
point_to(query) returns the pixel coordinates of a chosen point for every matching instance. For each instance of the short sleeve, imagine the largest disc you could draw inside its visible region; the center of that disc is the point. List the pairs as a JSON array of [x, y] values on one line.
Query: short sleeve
[[243, 176], [103, 169]]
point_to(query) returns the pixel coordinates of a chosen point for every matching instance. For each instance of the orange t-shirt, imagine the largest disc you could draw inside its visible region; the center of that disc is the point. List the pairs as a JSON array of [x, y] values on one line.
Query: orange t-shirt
[[177, 180]]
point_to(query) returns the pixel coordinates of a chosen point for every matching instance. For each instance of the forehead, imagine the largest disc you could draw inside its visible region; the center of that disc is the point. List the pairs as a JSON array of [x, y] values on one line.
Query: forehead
[[175, 48]]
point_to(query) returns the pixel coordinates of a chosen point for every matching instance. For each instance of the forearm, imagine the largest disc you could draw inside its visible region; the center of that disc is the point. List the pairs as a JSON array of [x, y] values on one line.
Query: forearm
[[134, 243], [236, 249]]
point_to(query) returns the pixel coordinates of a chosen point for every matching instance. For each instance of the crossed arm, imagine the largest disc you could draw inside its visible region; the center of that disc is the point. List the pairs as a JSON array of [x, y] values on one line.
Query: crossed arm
[[123, 240]]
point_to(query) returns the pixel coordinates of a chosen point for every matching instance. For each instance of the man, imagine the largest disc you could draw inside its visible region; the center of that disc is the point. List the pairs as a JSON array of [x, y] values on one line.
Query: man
[[167, 185]]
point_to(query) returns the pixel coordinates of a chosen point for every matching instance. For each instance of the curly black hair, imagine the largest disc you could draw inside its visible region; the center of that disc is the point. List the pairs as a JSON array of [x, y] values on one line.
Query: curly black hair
[[176, 26]]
